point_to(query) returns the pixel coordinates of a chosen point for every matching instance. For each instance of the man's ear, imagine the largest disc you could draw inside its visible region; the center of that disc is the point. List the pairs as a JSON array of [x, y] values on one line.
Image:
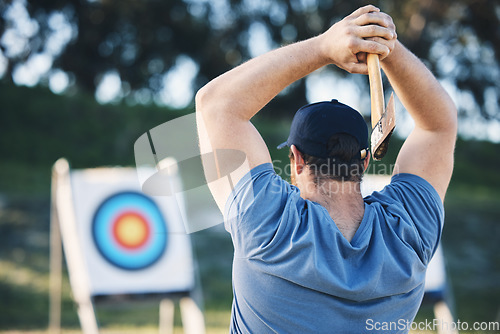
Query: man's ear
[[297, 159], [367, 161]]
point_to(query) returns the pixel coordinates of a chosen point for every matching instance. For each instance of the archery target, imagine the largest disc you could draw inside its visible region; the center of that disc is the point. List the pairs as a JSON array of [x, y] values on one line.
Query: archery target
[[131, 242], [129, 231]]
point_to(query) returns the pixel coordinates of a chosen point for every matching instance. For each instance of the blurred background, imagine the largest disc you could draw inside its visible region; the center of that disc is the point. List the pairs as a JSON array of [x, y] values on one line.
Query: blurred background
[[83, 79]]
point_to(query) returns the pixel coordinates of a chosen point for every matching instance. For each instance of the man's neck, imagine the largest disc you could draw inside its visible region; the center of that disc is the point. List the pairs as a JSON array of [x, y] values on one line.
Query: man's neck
[[343, 201]]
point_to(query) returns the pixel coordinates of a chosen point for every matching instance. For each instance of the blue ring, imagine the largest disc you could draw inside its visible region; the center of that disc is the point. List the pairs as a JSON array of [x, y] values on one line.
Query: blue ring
[[102, 231]]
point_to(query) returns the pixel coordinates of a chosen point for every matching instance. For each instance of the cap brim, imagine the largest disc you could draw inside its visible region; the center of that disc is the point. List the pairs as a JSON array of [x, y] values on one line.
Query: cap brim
[[280, 146]]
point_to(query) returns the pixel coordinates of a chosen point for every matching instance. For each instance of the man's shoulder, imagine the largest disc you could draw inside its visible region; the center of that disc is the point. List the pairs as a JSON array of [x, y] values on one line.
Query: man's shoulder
[[405, 186], [417, 207], [260, 192], [261, 180], [260, 211]]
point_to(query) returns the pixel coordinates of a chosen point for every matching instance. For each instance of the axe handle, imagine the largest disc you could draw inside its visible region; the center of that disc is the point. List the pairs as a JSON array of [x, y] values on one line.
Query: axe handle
[[376, 89]]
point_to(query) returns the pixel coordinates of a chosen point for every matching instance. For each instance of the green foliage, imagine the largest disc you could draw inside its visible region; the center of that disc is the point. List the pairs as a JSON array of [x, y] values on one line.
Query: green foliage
[[476, 163], [141, 40], [38, 127]]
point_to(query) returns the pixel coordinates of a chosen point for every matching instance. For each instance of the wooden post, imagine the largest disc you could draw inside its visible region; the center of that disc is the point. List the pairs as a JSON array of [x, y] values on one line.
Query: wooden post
[[74, 257], [443, 314], [166, 316], [192, 317], [55, 284]]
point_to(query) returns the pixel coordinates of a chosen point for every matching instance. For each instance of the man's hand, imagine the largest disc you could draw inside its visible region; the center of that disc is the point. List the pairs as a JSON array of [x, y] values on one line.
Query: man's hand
[[366, 30]]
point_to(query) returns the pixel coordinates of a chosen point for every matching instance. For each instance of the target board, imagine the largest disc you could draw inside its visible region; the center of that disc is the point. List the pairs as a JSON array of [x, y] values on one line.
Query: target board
[[131, 242]]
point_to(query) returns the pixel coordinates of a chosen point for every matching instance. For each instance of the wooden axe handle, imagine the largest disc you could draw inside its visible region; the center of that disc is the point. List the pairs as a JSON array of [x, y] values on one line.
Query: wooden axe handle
[[376, 89]]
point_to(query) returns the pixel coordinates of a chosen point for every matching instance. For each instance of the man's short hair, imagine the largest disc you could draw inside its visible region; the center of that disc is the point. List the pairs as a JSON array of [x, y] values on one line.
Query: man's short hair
[[342, 164]]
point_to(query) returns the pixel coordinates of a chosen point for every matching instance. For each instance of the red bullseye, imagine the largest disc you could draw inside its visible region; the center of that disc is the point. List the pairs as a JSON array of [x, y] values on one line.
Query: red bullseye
[[131, 230]]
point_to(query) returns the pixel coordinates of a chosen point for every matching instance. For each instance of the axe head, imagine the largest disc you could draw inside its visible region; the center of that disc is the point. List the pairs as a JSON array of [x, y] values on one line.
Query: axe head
[[382, 131]]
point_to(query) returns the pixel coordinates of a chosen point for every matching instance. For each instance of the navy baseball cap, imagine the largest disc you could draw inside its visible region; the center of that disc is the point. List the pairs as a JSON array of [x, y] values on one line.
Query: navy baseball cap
[[314, 124]]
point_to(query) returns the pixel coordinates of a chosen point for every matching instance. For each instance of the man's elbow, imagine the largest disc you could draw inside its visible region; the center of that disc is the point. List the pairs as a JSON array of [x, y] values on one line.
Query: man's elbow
[[200, 99], [209, 103]]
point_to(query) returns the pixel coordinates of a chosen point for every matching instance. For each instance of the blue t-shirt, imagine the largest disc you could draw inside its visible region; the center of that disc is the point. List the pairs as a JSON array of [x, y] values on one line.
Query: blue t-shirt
[[294, 271]]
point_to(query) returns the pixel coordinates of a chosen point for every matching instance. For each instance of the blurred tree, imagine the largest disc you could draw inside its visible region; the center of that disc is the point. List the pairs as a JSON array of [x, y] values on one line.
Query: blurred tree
[[141, 40]]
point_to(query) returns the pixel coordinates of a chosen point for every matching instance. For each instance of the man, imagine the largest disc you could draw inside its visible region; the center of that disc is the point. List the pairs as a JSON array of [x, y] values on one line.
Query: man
[[315, 257]]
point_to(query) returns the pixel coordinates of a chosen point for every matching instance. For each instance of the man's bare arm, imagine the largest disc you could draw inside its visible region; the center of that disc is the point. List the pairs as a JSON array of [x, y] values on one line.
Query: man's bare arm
[[226, 104], [428, 150]]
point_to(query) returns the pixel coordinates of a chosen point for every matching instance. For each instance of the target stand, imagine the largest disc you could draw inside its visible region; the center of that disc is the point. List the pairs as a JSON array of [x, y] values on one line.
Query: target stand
[[119, 242]]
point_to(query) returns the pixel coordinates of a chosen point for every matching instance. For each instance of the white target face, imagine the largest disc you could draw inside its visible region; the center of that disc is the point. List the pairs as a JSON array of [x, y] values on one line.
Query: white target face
[[130, 241]]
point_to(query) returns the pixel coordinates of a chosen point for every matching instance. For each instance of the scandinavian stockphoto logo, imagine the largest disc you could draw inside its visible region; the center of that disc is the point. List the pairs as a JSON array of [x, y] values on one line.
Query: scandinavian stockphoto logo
[[172, 161]]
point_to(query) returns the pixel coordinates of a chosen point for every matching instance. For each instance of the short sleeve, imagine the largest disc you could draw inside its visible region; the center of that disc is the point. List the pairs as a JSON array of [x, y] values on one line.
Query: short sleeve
[[422, 204], [256, 209]]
